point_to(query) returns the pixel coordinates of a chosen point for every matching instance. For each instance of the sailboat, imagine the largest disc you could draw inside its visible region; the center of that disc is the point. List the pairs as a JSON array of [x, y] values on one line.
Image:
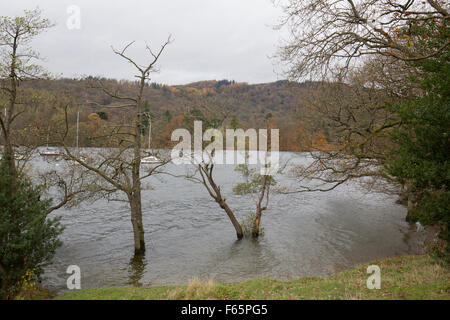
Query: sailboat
[[50, 151], [150, 159], [82, 158]]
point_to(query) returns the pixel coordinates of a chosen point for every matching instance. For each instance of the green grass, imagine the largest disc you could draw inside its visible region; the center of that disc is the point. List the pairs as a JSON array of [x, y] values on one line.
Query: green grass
[[405, 277]]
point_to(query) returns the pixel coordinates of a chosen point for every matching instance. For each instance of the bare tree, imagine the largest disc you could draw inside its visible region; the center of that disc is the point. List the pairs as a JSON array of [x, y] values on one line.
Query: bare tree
[[17, 66], [204, 165], [120, 168], [325, 35], [356, 114], [205, 170], [333, 38], [204, 174]]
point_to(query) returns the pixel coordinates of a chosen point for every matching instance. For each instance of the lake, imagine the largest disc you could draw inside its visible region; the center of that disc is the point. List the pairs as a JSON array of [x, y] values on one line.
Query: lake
[[188, 235]]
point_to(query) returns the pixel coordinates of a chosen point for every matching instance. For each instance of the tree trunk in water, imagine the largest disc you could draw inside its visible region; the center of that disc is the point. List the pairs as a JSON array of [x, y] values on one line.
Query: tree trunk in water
[[136, 201], [236, 224], [138, 227], [259, 209], [256, 224]]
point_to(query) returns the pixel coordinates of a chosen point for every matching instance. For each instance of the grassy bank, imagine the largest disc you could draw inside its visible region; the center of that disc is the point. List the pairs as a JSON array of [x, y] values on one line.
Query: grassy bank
[[406, 277]]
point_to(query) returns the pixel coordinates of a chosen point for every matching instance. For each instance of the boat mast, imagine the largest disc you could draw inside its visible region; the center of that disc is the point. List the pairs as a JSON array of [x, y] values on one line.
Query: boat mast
[[48, 135], [78, 123], [149, 133]]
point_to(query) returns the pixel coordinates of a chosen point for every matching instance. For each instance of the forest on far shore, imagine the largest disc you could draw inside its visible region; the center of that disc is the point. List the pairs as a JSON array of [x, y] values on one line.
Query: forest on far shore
[[282, 104]]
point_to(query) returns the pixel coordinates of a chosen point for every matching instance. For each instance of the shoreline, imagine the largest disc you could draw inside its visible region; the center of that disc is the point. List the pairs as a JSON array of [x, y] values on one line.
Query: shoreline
[[402, 277]]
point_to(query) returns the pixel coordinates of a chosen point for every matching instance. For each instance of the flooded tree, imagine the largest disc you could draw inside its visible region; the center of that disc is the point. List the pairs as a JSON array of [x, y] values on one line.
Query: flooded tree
[[119, 168], [206, 172], [255, 183]]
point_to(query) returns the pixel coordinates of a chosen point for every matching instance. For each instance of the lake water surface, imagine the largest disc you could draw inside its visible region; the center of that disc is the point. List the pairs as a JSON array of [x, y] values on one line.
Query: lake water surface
[[188, 235]]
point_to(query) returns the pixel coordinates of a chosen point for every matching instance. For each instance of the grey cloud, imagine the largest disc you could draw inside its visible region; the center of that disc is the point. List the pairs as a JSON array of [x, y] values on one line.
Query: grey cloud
[[214, 39]]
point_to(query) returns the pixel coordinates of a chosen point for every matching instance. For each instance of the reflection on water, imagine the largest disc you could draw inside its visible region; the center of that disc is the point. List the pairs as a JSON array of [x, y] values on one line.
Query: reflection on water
[[189, 236], [136, 270]]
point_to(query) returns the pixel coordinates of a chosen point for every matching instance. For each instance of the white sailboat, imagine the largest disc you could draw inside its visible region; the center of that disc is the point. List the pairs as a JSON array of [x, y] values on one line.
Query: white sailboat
[[150, 159], [50, 151]]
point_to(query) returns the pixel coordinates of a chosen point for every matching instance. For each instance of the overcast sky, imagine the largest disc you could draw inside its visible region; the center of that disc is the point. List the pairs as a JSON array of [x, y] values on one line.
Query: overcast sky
[[213, 39]]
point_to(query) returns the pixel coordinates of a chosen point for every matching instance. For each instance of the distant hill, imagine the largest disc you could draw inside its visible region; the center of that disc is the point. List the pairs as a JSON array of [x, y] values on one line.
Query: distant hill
[[249, 104]]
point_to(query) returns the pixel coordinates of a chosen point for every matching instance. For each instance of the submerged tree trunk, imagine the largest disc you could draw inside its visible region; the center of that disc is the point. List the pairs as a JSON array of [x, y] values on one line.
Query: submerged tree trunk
[[136, 221], [136, 199], [125, 176], [206, 173], [257, 223], [260, 208], [236, 224]]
